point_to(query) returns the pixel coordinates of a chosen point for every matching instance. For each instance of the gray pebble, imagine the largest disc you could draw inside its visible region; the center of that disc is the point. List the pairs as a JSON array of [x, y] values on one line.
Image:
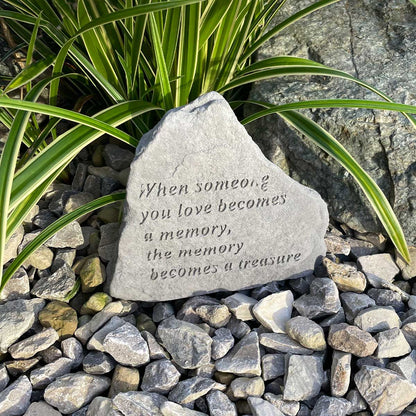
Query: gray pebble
[[73, 350], [160, 377], [377, 318], [162, 310], [15, 399], [41, 377], [391, 344], [331, 406], [68, 237], [308, 333], [406, 367], [240, 306], [220, 405], [102, 406], [41, 409], [273, 366], [340, 373], [189, 390], [353, 303], [139, 403], [260, 407], [222, 342], [283, 343], [97, 362]]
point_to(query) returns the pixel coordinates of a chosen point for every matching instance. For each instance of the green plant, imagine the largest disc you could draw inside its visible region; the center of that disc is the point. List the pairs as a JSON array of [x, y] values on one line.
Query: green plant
[[130, 61]]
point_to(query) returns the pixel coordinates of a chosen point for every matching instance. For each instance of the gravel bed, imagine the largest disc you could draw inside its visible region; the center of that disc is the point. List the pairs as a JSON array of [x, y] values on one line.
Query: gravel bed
[[339, 342]]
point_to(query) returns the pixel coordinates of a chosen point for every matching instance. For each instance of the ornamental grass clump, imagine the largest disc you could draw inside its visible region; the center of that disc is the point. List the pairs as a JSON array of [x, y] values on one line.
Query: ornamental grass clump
[[128, 62]]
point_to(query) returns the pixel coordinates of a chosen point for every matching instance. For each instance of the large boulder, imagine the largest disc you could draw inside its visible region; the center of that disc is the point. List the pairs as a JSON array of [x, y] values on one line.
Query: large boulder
[[374, 41]]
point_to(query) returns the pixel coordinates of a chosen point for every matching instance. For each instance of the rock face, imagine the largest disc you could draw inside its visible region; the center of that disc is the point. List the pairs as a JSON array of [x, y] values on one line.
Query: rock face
[[370, 40], [203, 202]]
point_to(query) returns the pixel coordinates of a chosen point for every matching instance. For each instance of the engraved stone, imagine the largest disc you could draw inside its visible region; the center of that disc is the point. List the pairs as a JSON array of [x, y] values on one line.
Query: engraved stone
[[206, 211]]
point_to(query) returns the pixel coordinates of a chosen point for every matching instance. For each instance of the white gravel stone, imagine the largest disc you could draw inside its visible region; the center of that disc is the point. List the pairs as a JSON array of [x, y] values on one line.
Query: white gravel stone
[[156, 351], [406, 367], [240, 306], [69, 237], [274, 311], [160, 377], [283, 343], [72, 391], [18, 287], [34, 344], [13, 244], [16, 318], [189, 390], [377, 318], [287, 407], [307, 332], [138, 403], [15, 399], [222, 342], [391, 344]]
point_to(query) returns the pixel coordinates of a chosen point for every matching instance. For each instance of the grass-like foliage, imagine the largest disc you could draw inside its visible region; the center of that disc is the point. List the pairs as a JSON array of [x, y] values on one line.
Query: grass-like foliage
[[129, 61]]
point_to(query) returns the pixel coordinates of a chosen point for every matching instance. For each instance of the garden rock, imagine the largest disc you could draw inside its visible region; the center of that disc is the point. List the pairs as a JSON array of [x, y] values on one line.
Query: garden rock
[[357, 401], [107, 249], [12, 244], [34, 344], [160, 377], [322, 300], [340, 373], [69, 236], [346, 277], [16, 318], [61, 317], [137, 403], [4, 377], [92, 274], [206, 125], [377, 318], [366, 38], [283, 343], [189, 390], [72, 391], [95, 303], [162, 311], [124, 379], [408, 270], [222, 342], [189, 345], [102, 406], [240, 306], [17, 287], [331, 406], [353, 303], [286, 407], [215, 316], [126, 345], [72, 349], [243, 387], [385, 391], [243, 359], [173, 409], [117, 157], [349, 338], [391, 344], [273, 366], [261, 407], [308, 333], [406, 367], [15, 399], [304, 377], [274, 310], [41, 409], [97, 362], [43, 376], [378, 265], [219, 404], [57, 286]]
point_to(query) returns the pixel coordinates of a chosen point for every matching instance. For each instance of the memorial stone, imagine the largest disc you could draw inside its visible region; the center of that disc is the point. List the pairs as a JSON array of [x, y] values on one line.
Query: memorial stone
[[206, 211]]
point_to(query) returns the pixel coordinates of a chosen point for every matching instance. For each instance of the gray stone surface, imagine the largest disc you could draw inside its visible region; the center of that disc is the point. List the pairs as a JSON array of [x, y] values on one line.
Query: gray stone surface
[[283, 343], [222, 342], [169, 408], [71, 392], [41, 377], [124, 379], [371, 40], [304, 377], [41, 409], [377, 318], [243, 359], [188, 344], [138, 403], [70, 236], [346, 277], [126, 345], [4, 377], [322, 300], [16, 318], [349, 338], [220, 405], [56, 286], [189, 390], [287, 407], [378, 266], [13, 244], [260, 407], [18, 287], [391, 344], [385, 391], [97, 362], [160, 377], [211, 206], [353, 303], [331, 406], [340, 373], [273, 366], [243, 387], [34, 344], [15, 399], [406, 367], [72, 349], [240, 305], [102, 406], [307, 332], [274, 310]]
